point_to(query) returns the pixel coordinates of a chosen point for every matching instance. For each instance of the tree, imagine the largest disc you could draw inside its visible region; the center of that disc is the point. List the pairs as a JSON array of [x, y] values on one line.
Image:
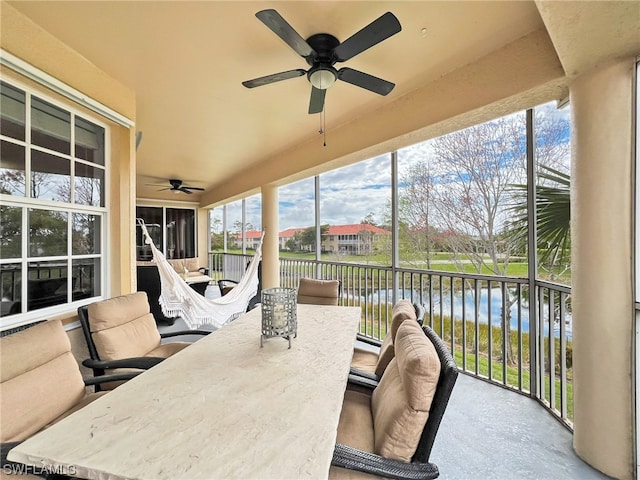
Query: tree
[[553, 212], [370, 219], [308, 236], [416, 232]]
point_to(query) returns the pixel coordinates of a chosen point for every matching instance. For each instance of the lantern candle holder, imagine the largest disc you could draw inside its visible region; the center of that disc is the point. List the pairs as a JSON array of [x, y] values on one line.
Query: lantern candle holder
[[279, 314]]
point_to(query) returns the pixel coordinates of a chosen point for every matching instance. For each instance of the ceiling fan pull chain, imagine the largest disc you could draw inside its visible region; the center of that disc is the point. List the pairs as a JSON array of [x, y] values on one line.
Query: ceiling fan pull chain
[[324, 126]]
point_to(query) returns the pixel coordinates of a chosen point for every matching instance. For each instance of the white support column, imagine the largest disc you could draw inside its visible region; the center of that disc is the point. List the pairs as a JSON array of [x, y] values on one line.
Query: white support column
[[602, 296], [270, 247]]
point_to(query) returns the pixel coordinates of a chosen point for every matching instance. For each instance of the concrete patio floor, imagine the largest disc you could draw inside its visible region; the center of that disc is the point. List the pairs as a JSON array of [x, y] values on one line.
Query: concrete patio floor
[[491, 433]]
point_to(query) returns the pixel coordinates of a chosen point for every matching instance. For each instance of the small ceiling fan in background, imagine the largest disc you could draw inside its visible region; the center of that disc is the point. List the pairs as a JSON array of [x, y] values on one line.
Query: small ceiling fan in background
[[322, 51], [177, 187]]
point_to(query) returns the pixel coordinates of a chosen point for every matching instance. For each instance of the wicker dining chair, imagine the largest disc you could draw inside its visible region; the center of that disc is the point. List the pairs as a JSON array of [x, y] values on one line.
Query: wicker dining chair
[[388, 428], [121, 333]]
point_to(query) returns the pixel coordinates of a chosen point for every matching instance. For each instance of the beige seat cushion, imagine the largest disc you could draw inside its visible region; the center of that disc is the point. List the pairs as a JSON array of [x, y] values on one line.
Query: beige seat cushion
[[40, 378], [167, 349], [318, 292], [401, 402], [364, 360], [182, 264], [355, 427], [123, 327], [377, 363]]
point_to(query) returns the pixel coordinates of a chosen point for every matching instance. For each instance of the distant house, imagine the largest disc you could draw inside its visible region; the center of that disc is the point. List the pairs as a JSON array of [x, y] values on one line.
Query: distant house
[[286, 235], [253, 239], [354, 239]]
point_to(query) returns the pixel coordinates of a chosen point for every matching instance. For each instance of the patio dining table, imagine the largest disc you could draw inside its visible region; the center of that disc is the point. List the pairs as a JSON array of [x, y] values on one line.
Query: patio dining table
[[222, 408]]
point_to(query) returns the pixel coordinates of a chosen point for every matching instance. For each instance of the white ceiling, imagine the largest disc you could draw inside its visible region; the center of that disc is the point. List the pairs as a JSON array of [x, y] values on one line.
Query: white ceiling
[[186, 61]]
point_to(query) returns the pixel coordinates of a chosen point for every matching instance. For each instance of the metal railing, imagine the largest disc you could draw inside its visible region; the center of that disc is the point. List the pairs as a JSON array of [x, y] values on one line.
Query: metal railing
[[483, 318]]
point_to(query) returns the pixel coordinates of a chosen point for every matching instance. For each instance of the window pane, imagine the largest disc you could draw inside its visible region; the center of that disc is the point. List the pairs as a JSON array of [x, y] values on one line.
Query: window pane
[[12, 169], [89, 141], [11, 279], [50, 177], [89, 185], [10, 232], [50, 126], [180, 233], [12, 112], [152, 217], [358, 233], [86, 278], [47, 233], [217, 231], [296, 211], [46, 284], [553, 156], [418, 235], [86, 234], [234, 225]]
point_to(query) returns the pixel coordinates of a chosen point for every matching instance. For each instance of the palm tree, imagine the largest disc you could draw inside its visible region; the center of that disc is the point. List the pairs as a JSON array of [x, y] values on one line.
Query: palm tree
[[553, 218]]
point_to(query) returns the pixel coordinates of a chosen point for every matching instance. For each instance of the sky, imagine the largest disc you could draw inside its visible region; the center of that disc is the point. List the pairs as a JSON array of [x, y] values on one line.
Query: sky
[[347, 194]]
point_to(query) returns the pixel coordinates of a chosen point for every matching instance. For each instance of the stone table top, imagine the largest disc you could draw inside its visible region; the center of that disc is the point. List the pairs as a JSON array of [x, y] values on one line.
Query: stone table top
[[222, 408]]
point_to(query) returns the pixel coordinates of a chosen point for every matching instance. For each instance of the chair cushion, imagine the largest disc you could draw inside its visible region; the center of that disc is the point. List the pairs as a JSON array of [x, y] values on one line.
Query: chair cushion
[[365, 360], [134, 339], [402, 310], [377, 363], [167, 349], [385, 356], [355, 427], [40, 380], [122, 327], [191, 264], [182, 264], [401, 402], [117, 311], [318, 292]]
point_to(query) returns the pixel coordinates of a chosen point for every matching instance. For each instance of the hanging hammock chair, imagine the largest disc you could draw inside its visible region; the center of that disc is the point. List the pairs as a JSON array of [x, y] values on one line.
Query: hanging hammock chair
[[177, 298]]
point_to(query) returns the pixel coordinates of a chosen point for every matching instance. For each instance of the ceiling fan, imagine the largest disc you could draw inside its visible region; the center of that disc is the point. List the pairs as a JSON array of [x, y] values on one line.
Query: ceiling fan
[[177, 187], [322, 51]]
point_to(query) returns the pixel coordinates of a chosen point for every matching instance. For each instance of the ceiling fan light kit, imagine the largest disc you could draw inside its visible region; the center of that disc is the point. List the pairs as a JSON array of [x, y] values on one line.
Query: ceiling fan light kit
[[322, 51]]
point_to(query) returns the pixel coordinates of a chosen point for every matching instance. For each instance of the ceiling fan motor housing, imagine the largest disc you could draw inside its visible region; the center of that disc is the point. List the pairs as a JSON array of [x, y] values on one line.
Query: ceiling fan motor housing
[[322, 74]]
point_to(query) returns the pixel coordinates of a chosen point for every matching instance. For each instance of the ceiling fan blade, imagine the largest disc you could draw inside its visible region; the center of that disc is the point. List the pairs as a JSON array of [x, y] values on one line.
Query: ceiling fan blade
[[280, 27], [163, 189], [316, 104], [184, 190], [276, 77], [366, 81], [194, 188], [377, 31]]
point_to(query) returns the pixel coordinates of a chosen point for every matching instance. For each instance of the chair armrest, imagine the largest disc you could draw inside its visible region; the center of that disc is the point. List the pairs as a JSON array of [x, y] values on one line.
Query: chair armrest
[[184, 332], [143, 363], [363, 381], [116, 377], [354, 459], [364, 374], [371, 341], [4, 451]]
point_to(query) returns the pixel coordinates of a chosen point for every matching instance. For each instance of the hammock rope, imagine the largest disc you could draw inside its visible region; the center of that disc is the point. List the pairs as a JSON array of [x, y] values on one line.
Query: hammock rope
[[177, 298]]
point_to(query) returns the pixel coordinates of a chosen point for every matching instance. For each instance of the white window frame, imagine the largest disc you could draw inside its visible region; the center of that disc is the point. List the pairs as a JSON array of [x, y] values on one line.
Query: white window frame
[[26, 202]]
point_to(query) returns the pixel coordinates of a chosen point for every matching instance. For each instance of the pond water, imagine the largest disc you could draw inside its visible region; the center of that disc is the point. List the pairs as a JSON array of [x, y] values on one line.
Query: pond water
[[495, 295]]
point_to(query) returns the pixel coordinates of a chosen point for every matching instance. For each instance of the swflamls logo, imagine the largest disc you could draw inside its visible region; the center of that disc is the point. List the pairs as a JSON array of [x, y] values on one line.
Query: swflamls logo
[[43, 471]]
